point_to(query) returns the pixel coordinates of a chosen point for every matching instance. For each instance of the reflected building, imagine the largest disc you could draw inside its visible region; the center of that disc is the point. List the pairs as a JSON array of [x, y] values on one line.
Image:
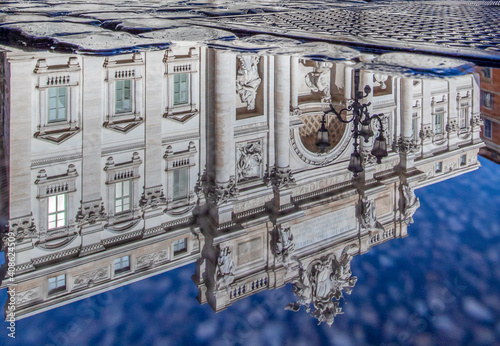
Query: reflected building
[[490, 112], [127, 166]]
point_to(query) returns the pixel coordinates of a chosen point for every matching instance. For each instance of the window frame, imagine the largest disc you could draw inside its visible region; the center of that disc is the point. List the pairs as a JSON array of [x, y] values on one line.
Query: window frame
[[116, 173], [180, 250], [488, 128], [438, 167], [122, 269], [122, 184], [66, 92], [180, 160], [187, 93], [487, 99], [57, 288], [175, 65], [463, 160], [128, 68], [57, 212], [57, 77], [130, 100], [53, 185]]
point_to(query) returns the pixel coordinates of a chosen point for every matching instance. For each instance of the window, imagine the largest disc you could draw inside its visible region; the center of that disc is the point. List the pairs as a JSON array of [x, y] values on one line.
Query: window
[[180, 183], [180, 246], [438, 123], [487, 72], [463, 160], [56, 211], [123, 96], [57, 104], [487, 128], [439, 167], [122, 196], [57, 283], [122, 264], [180, 89], [486, 99], [462, 117]]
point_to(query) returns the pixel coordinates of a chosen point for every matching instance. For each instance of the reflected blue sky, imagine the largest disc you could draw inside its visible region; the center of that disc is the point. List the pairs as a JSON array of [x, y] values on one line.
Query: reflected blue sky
[[437, 286]]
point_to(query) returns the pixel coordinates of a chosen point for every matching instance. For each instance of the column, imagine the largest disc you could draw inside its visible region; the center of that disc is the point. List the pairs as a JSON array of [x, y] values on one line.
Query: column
[[21, 186], [406, 108], [93, 91], [224, 117], [294, 87], [153, 156], [348, 76], [282, 175], [406, 147]]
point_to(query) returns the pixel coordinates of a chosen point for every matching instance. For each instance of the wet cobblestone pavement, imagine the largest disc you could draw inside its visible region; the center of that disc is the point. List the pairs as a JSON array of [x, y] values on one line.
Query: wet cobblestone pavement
[[456, 28]]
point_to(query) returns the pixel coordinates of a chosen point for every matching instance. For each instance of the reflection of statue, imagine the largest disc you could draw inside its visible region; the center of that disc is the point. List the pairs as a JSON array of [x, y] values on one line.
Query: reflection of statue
[[319, 80], [249, 161], [323, 281], [410, 204], [248, 80], [368, 215], [225, 268], [283, 244]]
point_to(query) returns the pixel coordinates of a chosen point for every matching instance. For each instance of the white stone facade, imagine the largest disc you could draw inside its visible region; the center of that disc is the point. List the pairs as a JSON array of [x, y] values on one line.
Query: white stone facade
[[161, 158]]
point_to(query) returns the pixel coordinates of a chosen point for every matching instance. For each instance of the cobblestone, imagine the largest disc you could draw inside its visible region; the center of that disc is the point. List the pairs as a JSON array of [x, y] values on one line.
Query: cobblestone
[[459, 28]]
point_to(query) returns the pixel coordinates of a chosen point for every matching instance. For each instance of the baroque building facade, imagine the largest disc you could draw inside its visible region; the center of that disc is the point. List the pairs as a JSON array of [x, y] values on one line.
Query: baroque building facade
[[490, 112], [126, 166]]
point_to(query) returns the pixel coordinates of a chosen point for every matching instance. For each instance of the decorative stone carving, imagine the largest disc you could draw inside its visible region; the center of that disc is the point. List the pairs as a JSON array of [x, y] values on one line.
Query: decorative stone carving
[[89, 278], [295, 112], [282, 177], [409, 203], [426, 132], [152, 197], [282, 244], [150, 260], [90, 212], [22, 228], [248, 79], [319, 80], [367, 157], [26, 297], [249, 160], [224, 269], [368, 215], [452, 126], [321, 283], [476, 121], [407, 146], [379, 81], [221, 193]]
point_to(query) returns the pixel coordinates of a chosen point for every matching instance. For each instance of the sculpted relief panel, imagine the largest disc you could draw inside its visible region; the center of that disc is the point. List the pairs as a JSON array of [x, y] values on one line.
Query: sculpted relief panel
[[248, 79]]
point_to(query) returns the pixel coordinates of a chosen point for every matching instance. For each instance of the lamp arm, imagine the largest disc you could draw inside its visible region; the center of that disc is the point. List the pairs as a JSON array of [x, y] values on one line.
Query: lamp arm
[[338, 114], [377, 116]]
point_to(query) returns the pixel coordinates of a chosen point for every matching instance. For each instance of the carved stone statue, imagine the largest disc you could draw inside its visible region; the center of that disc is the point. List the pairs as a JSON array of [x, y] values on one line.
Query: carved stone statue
[[368, 215], [248, 79], [283, 245], [224, 269], [319, 80], [323, 281], [249, 161], [410, 203]]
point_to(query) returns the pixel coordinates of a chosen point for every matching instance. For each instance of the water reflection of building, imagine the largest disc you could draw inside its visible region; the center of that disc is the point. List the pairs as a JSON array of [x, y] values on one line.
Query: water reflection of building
[[490, 112], [141, 163]]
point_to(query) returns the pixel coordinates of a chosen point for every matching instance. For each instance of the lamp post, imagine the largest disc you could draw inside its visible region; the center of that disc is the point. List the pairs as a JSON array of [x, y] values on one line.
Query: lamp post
[[361, 128]]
